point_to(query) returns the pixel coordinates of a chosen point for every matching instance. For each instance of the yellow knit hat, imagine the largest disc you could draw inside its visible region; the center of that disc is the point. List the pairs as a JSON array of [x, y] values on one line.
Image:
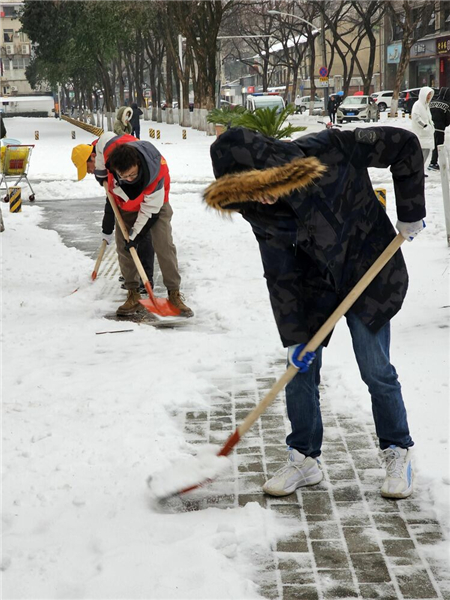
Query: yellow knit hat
[[80, 156]]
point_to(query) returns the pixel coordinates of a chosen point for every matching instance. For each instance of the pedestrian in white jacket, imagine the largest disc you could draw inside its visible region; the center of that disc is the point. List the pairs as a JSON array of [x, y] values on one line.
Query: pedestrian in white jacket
[[422, 122]]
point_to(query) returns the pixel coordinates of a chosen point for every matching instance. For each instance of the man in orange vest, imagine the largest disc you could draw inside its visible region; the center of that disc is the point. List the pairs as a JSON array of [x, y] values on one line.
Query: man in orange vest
[[83, 157], [139, 181]]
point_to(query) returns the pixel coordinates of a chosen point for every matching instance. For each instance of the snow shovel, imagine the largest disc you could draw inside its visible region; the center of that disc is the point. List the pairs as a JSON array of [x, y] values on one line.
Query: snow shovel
[[99, 260], [291, 371], [158, 306]]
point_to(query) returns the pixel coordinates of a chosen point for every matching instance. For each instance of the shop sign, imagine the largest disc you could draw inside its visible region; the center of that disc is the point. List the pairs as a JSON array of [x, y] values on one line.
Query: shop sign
[[422, 49], [393, 53], [443, 46]]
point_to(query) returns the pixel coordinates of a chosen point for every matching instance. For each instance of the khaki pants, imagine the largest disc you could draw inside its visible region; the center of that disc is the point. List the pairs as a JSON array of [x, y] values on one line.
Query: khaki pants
[[164, 249]]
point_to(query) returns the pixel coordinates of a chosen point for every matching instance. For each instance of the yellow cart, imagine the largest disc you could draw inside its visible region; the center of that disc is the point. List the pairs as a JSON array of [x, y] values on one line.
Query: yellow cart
[[14, 164]]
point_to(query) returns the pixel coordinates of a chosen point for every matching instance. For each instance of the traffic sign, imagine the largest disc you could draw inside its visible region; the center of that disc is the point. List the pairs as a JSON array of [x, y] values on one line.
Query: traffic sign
[[323, 72]]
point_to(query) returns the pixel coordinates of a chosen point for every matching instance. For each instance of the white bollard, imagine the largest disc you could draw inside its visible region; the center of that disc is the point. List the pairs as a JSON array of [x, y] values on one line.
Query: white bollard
[[444, 165]]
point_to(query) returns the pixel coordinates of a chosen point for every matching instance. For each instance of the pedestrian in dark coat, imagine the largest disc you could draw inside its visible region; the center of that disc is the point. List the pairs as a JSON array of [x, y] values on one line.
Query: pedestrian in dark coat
[[332, 108], [320, 227], [440, 113], [134, 121]]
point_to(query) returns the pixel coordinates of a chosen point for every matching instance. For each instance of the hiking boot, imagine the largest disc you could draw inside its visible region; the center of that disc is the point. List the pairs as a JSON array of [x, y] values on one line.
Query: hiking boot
[[176, 299], [399, 473], [131, 304], [433, 167], [299, 471]]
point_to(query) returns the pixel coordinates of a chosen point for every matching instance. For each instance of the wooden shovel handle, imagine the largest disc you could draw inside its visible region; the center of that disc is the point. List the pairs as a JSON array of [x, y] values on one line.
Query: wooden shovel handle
[[99, 260], [315, 341], [124, 230]]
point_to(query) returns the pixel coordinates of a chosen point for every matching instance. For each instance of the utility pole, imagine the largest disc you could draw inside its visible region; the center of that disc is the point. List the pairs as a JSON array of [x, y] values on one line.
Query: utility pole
[[324, 59]]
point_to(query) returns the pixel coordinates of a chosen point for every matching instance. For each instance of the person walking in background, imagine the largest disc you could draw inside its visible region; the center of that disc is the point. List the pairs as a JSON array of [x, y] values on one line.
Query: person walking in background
[[332, 108], [440, 113], [134, 121], [319, 229], [2, 127], [297, 103], [122, 123], [422, 122]]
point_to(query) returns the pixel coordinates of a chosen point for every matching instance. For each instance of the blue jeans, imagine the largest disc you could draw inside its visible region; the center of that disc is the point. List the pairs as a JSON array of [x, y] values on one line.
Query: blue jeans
[[389, 413]]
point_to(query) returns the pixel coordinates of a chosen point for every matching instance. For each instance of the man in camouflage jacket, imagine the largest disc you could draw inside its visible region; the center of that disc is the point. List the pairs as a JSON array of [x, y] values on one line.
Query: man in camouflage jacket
[[319, 226]]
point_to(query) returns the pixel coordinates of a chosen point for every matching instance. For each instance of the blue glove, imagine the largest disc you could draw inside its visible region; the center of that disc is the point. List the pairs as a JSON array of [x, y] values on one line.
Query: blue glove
[[305, 362]]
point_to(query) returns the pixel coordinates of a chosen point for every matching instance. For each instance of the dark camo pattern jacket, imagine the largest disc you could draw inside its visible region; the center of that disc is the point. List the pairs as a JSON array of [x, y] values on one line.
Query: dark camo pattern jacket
[[317, 243]]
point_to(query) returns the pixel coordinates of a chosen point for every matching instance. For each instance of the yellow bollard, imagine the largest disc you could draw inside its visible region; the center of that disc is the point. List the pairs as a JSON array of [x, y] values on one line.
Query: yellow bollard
[[73, 135], [380, 193], [151, 133], [15, 200], [183, 134], [36, 135], [403, 114], [158, 134]]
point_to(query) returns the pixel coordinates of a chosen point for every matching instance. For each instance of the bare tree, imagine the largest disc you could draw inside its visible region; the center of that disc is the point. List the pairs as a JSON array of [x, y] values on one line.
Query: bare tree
[[409, 17]]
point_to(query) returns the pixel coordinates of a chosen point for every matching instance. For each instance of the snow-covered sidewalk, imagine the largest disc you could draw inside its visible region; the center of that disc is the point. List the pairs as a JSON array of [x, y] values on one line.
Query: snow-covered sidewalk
[[87, 418]]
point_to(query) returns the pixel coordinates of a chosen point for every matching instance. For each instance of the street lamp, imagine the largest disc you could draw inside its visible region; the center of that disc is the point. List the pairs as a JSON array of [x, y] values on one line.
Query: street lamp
[[314, 33]]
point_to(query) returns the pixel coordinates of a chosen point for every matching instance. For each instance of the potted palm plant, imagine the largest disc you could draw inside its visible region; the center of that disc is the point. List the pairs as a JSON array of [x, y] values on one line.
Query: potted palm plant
[[270, 122], [226, 116]]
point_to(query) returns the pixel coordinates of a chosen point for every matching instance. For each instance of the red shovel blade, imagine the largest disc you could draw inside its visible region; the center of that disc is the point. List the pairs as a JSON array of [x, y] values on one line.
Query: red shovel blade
[[158, 306], [94, 275]]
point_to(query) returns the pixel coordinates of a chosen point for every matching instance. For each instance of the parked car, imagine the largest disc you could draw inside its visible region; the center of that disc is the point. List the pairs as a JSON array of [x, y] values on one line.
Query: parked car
[[318, 108], [357, 108], [264, 100], [383, 99], [407, 98]]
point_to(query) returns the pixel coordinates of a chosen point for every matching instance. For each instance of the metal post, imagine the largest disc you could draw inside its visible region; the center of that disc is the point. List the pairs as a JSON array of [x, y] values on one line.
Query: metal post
[[180, 99], [444, 164], [59, 101]]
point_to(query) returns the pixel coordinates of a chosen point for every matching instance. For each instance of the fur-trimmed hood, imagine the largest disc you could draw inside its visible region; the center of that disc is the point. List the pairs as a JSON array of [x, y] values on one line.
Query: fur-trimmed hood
[[250, 167], [255, 185]]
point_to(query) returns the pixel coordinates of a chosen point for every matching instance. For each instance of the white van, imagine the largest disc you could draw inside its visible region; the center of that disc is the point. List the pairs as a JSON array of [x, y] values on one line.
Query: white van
[[264, 100]]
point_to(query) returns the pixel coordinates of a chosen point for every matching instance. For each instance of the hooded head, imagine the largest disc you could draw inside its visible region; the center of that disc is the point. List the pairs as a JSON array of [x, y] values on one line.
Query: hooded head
[[80, 156], [250, 166], [423, 94], [134, 105]]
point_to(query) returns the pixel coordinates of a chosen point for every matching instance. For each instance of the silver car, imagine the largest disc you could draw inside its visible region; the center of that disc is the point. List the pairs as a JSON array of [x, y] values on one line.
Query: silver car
[[357, 108]]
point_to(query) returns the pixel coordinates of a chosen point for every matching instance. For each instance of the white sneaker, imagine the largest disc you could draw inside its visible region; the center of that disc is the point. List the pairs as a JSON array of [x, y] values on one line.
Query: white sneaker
[[399, 472], [299, 471]]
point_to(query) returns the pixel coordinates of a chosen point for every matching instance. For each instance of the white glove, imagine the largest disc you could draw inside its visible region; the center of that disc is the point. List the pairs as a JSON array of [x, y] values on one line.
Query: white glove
[[410, 230], [107, 237]]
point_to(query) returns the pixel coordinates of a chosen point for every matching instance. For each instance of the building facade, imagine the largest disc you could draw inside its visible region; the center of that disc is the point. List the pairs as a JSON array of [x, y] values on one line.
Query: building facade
[[15, 52], [429, 61]]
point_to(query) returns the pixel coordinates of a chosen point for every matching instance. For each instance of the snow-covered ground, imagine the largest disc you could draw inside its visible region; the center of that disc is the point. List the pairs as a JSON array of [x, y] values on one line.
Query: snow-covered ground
[[87, 418]]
